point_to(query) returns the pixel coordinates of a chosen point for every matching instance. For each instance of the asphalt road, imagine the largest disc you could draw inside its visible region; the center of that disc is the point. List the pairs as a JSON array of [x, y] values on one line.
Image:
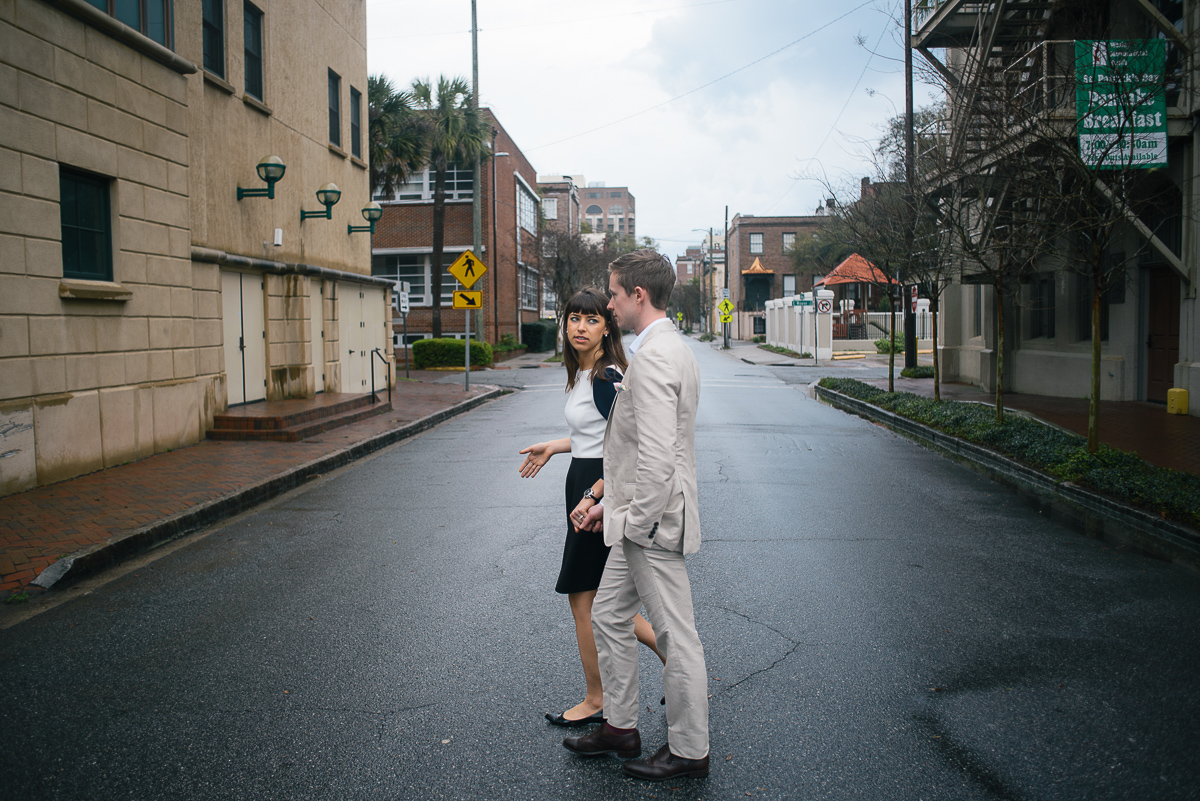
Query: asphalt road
[[879, 623]]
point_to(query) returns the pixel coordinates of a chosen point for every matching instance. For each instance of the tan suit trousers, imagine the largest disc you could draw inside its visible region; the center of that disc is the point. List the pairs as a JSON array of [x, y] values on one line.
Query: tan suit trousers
[[658, 578]]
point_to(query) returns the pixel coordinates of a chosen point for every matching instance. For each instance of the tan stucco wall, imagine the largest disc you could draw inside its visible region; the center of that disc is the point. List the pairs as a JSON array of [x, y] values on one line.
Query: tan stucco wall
[[303, 40], [90, 383]]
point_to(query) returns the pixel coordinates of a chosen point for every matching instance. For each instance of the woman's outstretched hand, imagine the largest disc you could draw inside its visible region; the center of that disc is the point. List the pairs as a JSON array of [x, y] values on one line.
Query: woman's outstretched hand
[[538, 456]]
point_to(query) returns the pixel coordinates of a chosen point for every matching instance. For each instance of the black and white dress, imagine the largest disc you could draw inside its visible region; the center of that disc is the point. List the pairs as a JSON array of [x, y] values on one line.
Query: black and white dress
[[588, 405]]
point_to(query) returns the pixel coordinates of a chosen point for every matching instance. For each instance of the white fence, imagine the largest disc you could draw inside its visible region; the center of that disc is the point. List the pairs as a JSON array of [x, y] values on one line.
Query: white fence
[[877, 325]]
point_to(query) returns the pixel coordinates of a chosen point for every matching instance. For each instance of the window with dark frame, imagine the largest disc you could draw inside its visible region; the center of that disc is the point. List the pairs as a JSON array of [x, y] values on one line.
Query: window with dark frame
[[1041, 312], [252, 34], [335, 109], [355, 123], [86, 221], [150, 18], [213, 19]]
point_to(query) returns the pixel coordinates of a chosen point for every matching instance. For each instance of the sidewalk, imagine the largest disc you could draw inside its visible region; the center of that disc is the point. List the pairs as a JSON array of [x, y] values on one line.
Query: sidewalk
[[1167, 440], [87, 523]]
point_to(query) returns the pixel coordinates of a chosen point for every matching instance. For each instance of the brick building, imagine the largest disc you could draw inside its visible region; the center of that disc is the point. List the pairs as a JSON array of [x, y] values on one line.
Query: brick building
[[402, 247], [609, 209], [561, 210], [761, 267]]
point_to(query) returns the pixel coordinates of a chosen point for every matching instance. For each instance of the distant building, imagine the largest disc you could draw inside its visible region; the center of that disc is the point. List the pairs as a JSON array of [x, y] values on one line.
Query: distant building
[[761, 267], [561, 211], [609, 209], [402, 247]]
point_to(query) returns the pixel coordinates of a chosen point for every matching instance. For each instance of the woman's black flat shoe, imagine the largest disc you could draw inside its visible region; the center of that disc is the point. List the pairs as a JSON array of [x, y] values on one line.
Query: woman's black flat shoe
[[559, 720]]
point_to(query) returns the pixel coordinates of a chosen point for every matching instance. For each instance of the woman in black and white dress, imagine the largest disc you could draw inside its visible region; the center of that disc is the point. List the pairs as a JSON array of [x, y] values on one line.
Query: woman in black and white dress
[[594, 359]]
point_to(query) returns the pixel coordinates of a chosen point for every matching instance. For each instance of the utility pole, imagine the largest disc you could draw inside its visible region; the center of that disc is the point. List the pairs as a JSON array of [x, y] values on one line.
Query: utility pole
[[726, 325], [476, 223], [910, 167], [703, 279]]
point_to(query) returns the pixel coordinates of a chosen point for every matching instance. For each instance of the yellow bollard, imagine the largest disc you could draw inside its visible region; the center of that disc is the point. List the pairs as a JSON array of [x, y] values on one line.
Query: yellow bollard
[[1177, 401]]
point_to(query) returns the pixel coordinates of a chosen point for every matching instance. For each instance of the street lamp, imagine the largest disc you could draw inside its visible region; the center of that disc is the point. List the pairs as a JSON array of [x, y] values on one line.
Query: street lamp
[[270, 169], [371, 213], [328, 195], [702, 271], [495, 254]]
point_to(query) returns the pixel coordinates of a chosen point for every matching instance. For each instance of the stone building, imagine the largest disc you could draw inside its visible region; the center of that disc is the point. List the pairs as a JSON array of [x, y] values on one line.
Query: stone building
[[403, 244], [139, 293]]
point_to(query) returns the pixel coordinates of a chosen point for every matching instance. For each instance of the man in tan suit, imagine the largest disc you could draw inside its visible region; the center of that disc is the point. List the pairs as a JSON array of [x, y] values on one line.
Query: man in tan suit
[[651, 518]]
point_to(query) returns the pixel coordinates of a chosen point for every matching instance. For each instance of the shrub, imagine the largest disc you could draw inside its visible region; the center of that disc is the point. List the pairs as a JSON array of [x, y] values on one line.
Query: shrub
[[449, 353], [539, 336], [758, 338], [882, 346], [507, 343], [707, 336], [1118, 474], [920, 371]]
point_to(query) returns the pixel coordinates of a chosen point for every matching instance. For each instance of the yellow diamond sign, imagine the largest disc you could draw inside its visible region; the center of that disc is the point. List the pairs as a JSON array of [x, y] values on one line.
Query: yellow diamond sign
[[468, 300], [467, 269], [725, 306]]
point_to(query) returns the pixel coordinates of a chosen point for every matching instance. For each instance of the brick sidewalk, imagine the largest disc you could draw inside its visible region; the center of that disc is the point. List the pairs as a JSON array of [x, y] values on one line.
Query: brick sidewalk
[[41, 526], [1167, 440]]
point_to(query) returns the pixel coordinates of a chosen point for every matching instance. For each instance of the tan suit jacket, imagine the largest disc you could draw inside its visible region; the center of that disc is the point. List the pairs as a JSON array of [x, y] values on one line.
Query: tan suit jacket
[[650, 494]]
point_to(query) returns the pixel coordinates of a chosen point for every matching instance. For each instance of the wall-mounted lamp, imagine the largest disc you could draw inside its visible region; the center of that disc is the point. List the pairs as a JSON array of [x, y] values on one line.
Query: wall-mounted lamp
[[329, 195], [270, 169], [371, 213]]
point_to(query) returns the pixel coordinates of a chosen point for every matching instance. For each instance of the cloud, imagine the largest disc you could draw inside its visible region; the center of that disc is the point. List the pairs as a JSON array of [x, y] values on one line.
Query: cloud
[[596, 90]]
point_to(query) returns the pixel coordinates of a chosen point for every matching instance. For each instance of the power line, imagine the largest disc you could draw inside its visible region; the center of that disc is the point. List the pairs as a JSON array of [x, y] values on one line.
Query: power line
[[703, 86], [838, 118]]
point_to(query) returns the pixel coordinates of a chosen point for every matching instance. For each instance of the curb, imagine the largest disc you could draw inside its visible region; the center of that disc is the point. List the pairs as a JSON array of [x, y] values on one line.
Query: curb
[[1093, 514], [95, 558]]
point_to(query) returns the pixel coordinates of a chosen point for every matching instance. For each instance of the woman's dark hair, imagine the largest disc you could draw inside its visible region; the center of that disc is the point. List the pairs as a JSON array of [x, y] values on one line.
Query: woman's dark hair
[[589, 301]]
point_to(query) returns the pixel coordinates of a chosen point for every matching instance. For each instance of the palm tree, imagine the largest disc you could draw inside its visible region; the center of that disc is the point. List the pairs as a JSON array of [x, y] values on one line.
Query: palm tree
[[396, 141], [455, 133]]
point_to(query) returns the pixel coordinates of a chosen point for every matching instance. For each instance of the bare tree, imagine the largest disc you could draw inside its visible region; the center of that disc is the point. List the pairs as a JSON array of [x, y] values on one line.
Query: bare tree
[[876, 226]]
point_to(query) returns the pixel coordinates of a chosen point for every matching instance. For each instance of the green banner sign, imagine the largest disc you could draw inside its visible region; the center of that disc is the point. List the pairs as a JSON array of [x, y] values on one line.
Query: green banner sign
[[1120, 106]]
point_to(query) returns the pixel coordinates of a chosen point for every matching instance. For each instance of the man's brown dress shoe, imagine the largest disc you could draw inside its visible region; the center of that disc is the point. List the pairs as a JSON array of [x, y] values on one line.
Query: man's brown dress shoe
[[604, 739], [665, 765]]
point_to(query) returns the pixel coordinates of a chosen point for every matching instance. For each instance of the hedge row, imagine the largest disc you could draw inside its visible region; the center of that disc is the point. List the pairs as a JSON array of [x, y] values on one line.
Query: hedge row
[[449, 353], [1121, 475], [539, 336]]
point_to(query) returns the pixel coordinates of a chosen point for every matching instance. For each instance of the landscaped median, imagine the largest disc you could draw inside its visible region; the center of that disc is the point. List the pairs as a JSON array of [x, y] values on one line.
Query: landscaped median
[[1111, 493]]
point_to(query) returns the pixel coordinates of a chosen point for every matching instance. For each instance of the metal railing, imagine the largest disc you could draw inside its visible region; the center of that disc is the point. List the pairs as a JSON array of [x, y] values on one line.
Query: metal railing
[[388, 365]]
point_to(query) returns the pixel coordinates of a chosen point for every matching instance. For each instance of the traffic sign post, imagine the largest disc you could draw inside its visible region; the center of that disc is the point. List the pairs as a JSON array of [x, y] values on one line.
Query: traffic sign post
[[467, 269]]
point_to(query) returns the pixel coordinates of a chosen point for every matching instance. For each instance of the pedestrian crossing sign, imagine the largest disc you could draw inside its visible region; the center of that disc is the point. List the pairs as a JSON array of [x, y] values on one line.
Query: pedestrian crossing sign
[[726, 307], [468, 269], [727, 318], [468, 300]]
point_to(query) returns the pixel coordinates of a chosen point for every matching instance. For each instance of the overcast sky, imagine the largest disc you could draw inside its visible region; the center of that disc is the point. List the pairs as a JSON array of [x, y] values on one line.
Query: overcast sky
[[692, 104]]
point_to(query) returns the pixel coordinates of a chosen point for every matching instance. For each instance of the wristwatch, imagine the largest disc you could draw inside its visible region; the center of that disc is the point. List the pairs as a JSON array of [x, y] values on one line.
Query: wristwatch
[[591, 496]]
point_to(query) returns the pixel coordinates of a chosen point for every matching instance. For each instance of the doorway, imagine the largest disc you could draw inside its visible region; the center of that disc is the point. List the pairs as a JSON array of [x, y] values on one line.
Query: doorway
[[1162, 333], [245, 344]]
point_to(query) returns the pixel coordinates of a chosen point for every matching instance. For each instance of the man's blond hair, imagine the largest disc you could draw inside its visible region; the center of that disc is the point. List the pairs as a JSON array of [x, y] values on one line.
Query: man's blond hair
[[650, 270]]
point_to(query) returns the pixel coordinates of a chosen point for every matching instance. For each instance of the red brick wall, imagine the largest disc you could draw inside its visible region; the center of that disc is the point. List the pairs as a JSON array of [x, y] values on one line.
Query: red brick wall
[[410, 225]]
